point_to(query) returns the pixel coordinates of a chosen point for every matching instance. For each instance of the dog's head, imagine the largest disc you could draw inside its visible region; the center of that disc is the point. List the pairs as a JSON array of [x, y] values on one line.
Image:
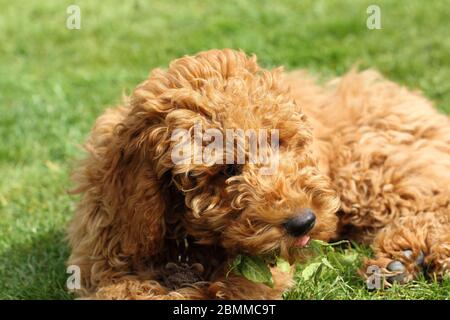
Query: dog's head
[[232, 152]]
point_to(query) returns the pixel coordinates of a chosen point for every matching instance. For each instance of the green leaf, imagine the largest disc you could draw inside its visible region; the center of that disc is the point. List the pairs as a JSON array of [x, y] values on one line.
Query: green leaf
[[318, 273], [283, 265], [310, 270], [237, 261], [235, 265], [319, 243], [349, 258], [327, 263], [256, 270]]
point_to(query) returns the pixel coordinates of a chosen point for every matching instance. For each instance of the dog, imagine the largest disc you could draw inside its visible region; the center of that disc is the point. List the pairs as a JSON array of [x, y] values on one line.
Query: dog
[[360, 158]]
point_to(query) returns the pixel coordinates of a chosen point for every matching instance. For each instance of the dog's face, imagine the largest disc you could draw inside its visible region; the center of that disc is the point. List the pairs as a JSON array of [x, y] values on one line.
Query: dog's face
[[251, 206]]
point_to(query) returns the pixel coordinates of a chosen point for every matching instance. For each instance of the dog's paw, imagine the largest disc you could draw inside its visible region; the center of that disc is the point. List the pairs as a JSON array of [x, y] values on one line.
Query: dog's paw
[[399, 268]]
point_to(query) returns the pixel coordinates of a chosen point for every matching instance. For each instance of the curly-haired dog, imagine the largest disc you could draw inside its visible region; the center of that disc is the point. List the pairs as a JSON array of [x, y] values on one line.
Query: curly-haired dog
[[361, 158]]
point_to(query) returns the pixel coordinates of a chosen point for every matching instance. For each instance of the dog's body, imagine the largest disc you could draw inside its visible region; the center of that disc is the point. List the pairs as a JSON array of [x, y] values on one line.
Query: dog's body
[[387, 151], [371, 160]]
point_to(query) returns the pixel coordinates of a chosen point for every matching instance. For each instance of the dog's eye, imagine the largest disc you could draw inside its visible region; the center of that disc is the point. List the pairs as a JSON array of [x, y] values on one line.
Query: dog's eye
[[232, 170]]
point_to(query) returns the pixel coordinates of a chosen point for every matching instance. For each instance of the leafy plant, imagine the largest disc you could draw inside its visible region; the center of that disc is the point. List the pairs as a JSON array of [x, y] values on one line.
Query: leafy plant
[[256, 269]]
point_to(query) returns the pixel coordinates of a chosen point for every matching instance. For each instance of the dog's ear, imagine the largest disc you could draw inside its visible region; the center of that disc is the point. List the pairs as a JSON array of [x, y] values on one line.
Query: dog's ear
[[124, 185], [139, 178]]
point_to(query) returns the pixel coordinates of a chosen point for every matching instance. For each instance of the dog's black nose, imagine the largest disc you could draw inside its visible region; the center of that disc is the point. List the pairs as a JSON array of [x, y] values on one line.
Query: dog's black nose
[[301, 223]]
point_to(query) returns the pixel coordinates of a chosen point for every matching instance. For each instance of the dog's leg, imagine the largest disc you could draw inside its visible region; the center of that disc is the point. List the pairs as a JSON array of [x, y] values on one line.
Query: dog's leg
[[237, 287], [387, 151], [412, 245], [227, 287], [134, 289]]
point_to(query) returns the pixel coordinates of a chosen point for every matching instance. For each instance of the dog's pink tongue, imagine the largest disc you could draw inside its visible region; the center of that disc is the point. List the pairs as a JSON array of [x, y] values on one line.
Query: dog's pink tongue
[[302, 241]]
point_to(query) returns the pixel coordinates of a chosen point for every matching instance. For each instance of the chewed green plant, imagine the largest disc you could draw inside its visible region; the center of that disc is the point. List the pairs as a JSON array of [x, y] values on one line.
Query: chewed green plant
[[257, 269]]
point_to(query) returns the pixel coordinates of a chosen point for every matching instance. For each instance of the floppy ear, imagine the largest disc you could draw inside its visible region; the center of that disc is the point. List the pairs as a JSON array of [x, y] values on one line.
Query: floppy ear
[[124, 185], [139, 180]]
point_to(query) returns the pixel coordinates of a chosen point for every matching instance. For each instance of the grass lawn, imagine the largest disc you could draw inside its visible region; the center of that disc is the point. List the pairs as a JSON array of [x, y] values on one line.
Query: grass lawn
[[54, 82]]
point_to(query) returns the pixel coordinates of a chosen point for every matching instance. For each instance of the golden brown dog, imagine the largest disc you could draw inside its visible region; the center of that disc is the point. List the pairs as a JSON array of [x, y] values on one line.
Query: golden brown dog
[[360, 158]]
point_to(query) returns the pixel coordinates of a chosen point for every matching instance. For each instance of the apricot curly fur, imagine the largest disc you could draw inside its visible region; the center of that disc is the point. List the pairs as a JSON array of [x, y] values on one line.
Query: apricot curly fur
[[370, 158]]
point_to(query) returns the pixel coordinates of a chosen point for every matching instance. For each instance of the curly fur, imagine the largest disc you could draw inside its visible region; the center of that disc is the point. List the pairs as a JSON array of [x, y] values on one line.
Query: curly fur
[[370, 157]]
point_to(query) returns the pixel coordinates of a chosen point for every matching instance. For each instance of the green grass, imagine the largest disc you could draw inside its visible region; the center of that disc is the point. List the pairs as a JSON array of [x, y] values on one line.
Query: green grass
[[54, 82]]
